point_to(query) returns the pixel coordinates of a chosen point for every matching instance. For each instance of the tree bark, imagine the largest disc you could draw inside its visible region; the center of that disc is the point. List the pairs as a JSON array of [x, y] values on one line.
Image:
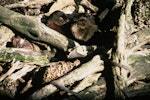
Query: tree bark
[[34, 29]]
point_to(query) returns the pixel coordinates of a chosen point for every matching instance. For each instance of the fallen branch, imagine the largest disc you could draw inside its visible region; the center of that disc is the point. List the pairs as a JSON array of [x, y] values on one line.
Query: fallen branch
[[29, 4], [89, 5], [15, 66], [93, 66], [33, 28], [36, 30], [60, 4], [9, 85], [95, 92], [38, 58], [86, 82]]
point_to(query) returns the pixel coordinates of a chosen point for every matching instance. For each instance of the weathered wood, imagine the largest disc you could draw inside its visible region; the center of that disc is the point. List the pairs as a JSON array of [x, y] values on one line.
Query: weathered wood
[[130, 50], [138, 39], [5, 36], [86, 82], [38, 31], [59, 4], [119, 52], [34, 29], [95, 92], [140, 67], [8, 86], [93, 66], [139, 91], [30, 4], [138, 61], [39, 58]]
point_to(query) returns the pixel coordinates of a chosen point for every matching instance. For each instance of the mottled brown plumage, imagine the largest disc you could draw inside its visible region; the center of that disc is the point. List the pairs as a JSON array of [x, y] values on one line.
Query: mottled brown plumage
[[19, 42], [58, 69], [56, 20], [80, 26], [84, 28]]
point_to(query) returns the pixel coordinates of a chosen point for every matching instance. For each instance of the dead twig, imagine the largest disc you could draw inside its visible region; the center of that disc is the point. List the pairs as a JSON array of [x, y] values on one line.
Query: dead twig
[[14, 66]]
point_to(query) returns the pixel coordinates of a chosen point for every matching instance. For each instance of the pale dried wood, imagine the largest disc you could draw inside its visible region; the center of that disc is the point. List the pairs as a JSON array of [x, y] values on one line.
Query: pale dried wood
[[93, 66], [37, 31], [29, 3]]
